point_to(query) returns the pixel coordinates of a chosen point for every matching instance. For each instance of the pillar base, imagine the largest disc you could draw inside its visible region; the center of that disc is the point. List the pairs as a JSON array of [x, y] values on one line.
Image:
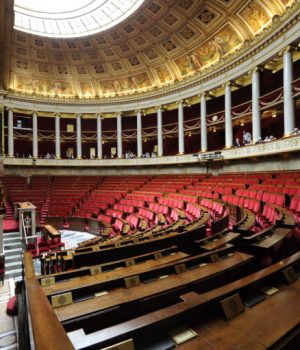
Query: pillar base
[[229, 147], [10, 156], [99, 158], [203, 150], [287, 134], [160, 155], [180, 153], [78, 158], [58, 158]]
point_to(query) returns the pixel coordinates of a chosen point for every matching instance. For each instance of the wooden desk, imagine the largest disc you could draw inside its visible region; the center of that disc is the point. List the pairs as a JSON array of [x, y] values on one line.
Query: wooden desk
[[282, 311], [122, 272], [278, 236], [65, 275], [52, 232], [216, 332], [122, 296], [219, 242]]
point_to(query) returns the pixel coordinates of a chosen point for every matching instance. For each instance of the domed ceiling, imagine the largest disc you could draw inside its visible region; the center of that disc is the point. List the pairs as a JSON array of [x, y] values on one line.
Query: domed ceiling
[[162, 43]]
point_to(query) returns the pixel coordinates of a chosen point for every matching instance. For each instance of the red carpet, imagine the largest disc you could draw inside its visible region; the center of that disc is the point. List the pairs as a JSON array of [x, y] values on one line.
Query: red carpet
[[10, 225]]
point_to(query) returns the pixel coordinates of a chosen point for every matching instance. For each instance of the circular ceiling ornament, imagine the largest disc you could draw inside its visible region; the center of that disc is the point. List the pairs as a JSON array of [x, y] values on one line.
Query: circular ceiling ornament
[[71, 18]]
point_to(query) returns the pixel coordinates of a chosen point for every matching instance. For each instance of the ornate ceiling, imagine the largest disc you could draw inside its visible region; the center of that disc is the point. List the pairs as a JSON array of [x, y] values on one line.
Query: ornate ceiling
[[164, 42]]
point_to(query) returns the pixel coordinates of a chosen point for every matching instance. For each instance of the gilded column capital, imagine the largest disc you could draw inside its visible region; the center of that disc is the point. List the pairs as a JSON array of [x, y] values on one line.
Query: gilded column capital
[[289, 48], [256, 69]]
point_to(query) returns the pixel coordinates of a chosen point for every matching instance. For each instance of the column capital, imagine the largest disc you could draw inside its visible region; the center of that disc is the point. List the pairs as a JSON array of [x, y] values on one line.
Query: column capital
[[201, 94], [34, 112], [9, 108], [99, 115], [57, 115], [228, 84], [256, 69], [161, 107], [288, 48], [78, 115], [179, 102]]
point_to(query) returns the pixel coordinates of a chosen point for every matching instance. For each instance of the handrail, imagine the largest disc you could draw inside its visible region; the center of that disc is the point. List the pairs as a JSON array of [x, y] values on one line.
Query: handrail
[[47, 331]]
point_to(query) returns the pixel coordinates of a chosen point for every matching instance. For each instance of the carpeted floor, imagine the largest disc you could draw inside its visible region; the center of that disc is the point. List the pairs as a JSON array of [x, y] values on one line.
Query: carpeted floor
[[10, 225]]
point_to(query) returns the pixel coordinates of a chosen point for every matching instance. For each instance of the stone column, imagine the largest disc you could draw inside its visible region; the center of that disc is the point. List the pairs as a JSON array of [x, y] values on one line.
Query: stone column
[[288, 102], [35, 151], [99, 136], [159, 132], [119, 136], [256, 120], [228, 119], [203, 123], [57, 136], [10, 133], [180, 128], [78, 133], [139, 134]]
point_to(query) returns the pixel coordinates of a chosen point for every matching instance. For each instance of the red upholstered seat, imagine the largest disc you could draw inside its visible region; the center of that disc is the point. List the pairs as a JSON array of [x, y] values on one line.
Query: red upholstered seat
[[12, 306]]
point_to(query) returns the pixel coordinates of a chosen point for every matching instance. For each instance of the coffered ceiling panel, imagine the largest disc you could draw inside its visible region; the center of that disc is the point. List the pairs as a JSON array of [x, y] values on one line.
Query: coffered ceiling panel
[[162, 43]]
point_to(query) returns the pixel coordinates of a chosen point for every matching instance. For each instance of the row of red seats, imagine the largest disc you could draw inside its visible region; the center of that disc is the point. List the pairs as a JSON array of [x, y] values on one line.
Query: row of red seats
[[134, 202], [183, 197], [142, 197], [172, 202], [105, 218], [192, 211], [159, 208], [243, 202], [114, 213], [124, 207], [273, 198], [147, 213], [133, 220]]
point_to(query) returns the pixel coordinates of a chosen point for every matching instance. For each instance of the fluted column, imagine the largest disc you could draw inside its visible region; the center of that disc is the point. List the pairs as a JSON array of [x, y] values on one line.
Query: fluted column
[[99, 136], [10, 133], [288, 102], [139, 134], [256, 122], [57, 136], [159, 132], [78, 133], [119, 136], [203, 123], [35, 152], [180, 128], [228, 119]]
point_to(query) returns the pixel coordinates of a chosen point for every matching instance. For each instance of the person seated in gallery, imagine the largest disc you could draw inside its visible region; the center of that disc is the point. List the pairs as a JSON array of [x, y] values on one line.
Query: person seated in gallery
[[47, 155], [153, 154], [29, 155], [260, 140], [236, 142], [295, 131], [247, 137]]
